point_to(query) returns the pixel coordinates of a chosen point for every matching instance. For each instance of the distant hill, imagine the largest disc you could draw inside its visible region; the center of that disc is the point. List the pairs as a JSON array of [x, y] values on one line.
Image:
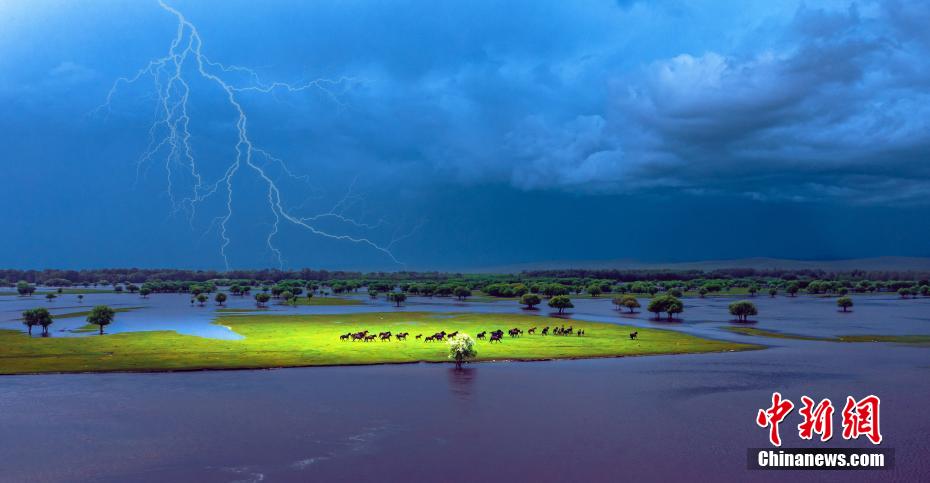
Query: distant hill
[[876, 263]]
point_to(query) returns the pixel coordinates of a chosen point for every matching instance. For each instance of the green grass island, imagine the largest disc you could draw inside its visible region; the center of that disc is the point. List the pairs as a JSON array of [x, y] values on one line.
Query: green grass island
[[276, 341]]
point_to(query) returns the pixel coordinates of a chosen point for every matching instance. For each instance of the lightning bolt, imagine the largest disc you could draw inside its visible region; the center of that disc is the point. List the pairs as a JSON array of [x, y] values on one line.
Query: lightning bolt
[[169, 139]]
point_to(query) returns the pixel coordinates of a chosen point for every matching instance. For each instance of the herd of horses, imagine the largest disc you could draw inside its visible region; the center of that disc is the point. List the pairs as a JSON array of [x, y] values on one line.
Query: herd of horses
[[492, 336]]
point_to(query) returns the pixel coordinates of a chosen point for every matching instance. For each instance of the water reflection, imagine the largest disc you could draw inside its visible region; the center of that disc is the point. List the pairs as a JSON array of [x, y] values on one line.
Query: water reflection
[[462, 382]]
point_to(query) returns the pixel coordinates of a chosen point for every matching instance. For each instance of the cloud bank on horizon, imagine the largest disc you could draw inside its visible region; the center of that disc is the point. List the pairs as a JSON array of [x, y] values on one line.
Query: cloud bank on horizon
[[778, 103]]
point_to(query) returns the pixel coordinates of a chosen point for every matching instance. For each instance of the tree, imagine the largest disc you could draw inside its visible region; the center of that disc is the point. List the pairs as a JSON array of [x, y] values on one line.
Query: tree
[[118, 288], [844, 303], [372, 293], [793, 288], [133, 288], [235, 289], [561, 302], [925, 290], [24, 288], [220, 298], [144, 292], [202, 298], [80, 298], [461, 347], [44, 319], [702, 291], [101, 315], [29, 319], [594, 290], [261, 299], [743, 309], [530, 300], [397, 297], [50, 296], [773, 292], [657, 306], [904, 292], [673, 307], [674, 292], [753, 290], [628, 301], [461, 292], [286, 296]]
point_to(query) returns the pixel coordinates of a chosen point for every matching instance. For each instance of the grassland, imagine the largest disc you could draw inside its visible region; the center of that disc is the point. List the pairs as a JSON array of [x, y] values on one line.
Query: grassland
[[920, 340], [313, 340], [328, 301]]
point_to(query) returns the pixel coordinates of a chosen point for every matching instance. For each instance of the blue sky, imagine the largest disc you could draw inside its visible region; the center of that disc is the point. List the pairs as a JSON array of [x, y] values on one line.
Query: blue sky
[[463, 134]]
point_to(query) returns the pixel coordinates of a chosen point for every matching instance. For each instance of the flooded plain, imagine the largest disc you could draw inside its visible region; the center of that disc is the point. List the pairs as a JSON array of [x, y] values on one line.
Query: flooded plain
[[652, 418]]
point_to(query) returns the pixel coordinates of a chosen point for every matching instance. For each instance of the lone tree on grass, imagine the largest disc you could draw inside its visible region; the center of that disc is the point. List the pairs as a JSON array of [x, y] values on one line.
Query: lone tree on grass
[[261, 299], [144, 292], [594, 290], [844, 303], [461, 347], [372, 293], [461, 293], [773, 292], [101, 315], [561, 302], [397, 297], [50, 296], [530, 300], [753, 290], [743, 309], [202, 298], [628, 301], [220, 298], [792, 288]]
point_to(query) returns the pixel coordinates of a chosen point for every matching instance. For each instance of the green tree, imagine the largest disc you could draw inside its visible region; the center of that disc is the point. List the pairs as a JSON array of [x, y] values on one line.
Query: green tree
[[773, 292], [674, 307], [674, 292], [44, 319], [261, 299], [561, 302], [743, 309], [101, 316], [594, 290], [530, 300], [372, 293], [202, 299], [397, 297], [286, 296], [50, 296], [220, 298], [844, 303], [629, 301], [133, 288], [29, 319], [793, 288], [904, 292], [25, 288], [144, 292], [753, 290], [925, 290], [461, 292], [702, 292]]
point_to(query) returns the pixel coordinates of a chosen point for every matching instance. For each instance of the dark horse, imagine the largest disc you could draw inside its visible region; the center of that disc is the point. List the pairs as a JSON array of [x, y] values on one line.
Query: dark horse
[[634, 335]]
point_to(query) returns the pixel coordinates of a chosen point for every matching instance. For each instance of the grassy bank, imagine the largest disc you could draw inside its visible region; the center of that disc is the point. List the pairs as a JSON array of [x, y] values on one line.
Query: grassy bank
[[921, 340], [309, 340]]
